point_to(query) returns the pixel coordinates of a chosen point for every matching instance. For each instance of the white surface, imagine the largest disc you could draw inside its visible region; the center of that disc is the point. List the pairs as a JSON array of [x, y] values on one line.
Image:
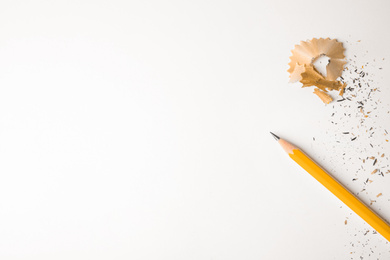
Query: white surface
[[139, 130]]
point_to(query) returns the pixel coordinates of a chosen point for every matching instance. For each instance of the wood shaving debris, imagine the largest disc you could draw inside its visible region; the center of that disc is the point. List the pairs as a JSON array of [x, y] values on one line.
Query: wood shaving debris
[[302, 66], [323, 96]]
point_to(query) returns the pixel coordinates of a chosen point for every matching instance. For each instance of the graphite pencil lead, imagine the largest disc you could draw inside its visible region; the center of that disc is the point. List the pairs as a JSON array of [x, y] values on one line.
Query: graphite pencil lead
[[275, 136]]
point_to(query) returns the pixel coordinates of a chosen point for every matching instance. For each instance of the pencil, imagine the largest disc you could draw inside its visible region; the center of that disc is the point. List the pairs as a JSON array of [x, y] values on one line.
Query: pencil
[[375, 221]]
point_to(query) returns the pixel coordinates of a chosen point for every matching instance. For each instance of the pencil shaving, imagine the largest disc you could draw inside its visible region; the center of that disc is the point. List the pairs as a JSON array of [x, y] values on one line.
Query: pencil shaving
[[310, 77], [323, 96], [302, 66], [341, 92], [296, 74]]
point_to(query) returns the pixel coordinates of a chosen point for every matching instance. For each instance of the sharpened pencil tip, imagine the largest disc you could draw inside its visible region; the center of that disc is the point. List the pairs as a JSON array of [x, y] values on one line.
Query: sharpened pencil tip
[[275, 136]]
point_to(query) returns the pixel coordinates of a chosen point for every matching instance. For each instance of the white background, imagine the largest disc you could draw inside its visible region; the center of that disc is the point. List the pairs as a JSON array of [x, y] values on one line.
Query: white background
[[140, 130]]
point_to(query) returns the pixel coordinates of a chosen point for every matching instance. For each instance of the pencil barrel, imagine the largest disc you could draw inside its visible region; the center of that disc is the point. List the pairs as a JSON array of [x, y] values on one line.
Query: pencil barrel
[[342, 193]]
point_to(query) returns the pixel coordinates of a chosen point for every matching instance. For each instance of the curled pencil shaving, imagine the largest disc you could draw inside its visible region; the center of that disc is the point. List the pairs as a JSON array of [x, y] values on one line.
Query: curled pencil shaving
[[302, 68], [323, 96]]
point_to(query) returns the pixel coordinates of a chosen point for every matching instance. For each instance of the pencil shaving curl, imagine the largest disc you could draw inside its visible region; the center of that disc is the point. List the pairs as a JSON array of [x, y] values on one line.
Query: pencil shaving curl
[[323, 96], [302, 68]]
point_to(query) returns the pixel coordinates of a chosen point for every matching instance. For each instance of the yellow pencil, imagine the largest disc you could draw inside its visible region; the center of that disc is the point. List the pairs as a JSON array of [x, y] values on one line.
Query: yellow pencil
[[336, 188]]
